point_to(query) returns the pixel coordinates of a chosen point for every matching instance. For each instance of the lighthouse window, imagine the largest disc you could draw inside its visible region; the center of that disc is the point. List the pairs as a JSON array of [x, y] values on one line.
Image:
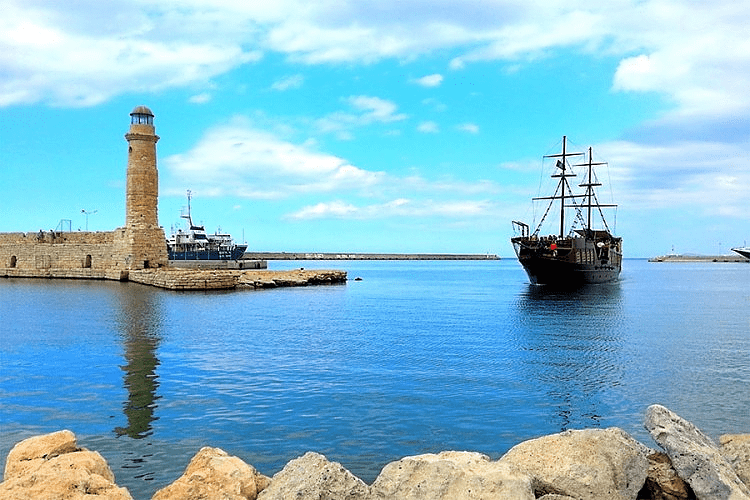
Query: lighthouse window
[[140, 119]]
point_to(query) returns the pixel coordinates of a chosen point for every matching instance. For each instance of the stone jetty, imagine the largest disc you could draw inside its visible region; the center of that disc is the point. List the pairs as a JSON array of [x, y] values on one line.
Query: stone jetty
[[589, 464], [223, 279]]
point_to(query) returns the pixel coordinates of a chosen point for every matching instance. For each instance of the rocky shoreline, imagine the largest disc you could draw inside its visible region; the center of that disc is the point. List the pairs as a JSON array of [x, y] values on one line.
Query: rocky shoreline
[[590, 464]]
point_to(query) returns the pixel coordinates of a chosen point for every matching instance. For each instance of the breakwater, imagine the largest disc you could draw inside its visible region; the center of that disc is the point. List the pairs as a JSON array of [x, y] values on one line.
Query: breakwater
[[223, 279], [364, 256], [589, 464], [699, 258]]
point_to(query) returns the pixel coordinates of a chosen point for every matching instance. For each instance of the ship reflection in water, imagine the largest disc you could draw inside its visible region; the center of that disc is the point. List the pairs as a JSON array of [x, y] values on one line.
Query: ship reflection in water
[[140, 326], [573, 365]]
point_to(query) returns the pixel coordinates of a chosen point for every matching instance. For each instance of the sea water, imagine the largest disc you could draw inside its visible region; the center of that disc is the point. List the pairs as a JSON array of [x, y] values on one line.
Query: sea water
[[416, 357]]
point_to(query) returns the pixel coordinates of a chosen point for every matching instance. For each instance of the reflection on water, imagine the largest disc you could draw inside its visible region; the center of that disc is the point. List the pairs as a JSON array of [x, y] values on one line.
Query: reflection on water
[[139, 321], [571, 341]]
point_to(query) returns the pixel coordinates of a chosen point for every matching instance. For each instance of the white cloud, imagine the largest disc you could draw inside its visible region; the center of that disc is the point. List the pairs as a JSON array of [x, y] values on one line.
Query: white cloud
[[428, 127], [430, 80], [471, 128], [365, 110], [201, 98], [399, 207], [52, 55], [237, 159], [290, 82], [84, 53], [708, 175], [336, 209], [375, 109]]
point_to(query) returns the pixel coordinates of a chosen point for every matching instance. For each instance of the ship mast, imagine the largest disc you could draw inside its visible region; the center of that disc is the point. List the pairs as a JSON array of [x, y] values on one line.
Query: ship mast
[[590, 195], [562, 165]]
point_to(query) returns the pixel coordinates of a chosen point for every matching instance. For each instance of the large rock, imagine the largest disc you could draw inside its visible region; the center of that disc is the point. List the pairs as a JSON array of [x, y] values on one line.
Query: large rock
[[662, 482], [213, 474], [313, 477], [53, 467], [593, 464], [695, 457], [25, 455], [735, 448], [450, 475]]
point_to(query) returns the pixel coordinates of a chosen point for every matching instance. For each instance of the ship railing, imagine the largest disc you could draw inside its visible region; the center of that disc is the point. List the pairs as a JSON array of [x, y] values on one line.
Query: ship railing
[[521, 226]]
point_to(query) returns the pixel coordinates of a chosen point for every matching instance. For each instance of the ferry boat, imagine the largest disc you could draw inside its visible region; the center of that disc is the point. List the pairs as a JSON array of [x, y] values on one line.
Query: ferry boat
[[196, 244], [579, 254]]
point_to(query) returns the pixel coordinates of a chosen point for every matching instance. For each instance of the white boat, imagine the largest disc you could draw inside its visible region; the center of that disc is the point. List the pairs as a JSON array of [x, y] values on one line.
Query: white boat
[[196, 244]]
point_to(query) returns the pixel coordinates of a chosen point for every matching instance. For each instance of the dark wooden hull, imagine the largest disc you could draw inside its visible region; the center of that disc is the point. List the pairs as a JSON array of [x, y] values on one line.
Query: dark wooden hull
[[574, 262], [550, 271]]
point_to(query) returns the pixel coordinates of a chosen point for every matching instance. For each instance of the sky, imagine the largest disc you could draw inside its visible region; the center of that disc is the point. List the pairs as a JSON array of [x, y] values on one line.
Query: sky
[[380, 125]]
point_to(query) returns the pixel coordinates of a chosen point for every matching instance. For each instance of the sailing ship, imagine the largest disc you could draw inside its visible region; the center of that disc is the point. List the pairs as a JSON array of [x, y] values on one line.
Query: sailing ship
[[196, 244], [579, 254]]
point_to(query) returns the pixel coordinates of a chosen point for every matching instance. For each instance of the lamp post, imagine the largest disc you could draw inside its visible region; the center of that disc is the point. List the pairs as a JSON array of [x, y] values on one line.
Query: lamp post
[[87, 216]]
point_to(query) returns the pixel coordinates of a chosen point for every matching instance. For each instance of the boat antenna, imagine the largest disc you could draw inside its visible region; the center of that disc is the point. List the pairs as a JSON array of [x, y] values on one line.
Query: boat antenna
[[187, 216]]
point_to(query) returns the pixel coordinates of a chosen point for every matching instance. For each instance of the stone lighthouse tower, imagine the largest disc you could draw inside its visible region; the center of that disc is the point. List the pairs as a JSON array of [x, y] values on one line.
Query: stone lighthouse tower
[[145, 242]]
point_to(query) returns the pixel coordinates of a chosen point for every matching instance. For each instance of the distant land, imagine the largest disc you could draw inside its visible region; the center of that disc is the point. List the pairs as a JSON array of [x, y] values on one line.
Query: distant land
[[698, 258], [364, 256]]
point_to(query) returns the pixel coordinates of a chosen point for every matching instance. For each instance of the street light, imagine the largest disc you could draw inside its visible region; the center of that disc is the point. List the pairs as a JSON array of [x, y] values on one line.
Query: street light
[[87, 216]]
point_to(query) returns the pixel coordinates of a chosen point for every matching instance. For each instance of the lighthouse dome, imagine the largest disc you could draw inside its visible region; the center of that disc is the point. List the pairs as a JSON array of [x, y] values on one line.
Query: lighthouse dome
[[142, 110], [141, 115]]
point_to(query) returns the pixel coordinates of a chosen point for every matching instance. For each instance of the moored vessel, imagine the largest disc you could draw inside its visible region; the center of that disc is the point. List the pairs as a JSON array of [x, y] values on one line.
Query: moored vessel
[[195, 244], [578, 253], [744, 251]]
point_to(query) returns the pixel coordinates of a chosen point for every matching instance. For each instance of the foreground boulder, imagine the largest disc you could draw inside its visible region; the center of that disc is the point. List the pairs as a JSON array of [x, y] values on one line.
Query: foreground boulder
[[735, 448], [450, 475], [593, 464], [695, 457], [662, 482], [53, 467], [312, 476], [213, 474]]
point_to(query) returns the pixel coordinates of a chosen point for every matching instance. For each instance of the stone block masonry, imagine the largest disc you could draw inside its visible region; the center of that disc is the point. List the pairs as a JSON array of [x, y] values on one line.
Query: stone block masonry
[[65, 255]]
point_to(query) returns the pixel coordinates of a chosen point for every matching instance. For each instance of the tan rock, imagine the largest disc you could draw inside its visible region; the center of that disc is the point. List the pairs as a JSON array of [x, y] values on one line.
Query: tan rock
[[450, 475], [313, 477], [593, 464], [42, 447], [695, 457], [735, 448], [663, 483], [52, 467], [213, 474]]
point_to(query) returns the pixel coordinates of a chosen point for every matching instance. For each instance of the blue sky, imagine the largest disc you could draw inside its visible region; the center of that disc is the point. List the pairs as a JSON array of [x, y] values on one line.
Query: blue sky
[[380, 126]]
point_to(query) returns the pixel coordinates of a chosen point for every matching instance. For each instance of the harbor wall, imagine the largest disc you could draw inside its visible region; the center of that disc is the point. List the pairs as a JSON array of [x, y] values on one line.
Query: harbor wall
[[57, 254]]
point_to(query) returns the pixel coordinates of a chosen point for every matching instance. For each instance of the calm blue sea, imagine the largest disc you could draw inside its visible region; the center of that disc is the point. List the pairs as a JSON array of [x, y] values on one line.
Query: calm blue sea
[[416, 357]]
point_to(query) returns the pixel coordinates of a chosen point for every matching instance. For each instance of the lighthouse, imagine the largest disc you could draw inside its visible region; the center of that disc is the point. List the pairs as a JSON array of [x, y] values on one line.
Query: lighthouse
[[145, 242]]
